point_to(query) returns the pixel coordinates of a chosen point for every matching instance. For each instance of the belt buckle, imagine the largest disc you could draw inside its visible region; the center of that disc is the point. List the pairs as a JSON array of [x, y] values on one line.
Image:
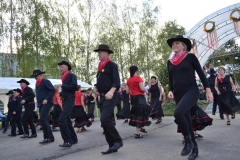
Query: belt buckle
[[102, 94], [225, 88]]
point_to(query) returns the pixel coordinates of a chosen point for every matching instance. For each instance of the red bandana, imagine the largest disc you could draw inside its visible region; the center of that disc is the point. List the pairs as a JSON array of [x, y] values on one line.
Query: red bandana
[[23, 89], [102, 64], [220, 79], [64, 75], [177, 58], [38, 83], [15, 97]]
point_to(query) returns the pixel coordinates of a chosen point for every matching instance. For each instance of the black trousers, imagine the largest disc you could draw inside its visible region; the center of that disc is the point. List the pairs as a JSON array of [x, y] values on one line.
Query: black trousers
[[27, 118], [44, 114], [56, 114], [8, 119], [65, 123], [216, 102], [107, 106], [185, 101], [16, 121]]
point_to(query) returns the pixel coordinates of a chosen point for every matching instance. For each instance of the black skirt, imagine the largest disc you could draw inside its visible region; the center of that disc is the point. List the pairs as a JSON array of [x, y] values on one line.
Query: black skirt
[[125, 112], [156, 106], [229, 102], [81, 118], [140, 112], [200, 119]]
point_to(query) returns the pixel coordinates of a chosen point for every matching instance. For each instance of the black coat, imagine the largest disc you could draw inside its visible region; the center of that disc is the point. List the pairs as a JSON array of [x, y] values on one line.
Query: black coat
[[16, 105], [28, 95]]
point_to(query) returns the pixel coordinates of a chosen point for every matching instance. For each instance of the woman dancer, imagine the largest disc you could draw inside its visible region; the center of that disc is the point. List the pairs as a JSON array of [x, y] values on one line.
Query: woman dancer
[[91, 98], [140, 110], [155, 99], [183, 88], [125, 112], [79, 112], [16, 108], [225, 89], [57, 107]]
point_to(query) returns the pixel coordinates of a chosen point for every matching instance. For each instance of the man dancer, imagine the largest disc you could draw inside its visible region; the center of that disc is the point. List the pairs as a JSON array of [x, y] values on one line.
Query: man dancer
[[44, 95], [69, 87], [108, 83], [28, 102], [9, 115]]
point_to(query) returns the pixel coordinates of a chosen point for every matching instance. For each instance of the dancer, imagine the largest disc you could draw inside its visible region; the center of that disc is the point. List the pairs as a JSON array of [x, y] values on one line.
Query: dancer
[[108, 83], [57, 107], [119, 102], [211, 81], [44, 95], [155, 99], [185, 91], [29, 106], [225, 89], [80, 115], [69, 87], [16, 108], [9, 114], [91, 99], [125, 112], [140, 111]]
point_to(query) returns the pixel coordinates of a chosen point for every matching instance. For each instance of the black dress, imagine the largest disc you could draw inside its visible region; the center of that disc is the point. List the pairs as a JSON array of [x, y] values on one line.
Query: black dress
[[90, 105], [125, 112], [200, 119], [81, 118], [155, 104], [228, 101]]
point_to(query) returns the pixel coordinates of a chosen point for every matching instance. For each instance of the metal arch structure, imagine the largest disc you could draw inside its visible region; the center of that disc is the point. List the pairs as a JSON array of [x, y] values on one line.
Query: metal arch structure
[[224, 28]]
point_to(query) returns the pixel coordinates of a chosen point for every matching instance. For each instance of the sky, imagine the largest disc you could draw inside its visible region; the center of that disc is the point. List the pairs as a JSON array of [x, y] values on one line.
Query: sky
[[190, 12]]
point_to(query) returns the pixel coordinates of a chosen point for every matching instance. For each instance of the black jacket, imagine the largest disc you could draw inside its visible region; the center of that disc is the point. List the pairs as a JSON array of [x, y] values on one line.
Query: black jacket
[[45, 91], [9, 101], [16, 105], [69, 87], [28, 95]]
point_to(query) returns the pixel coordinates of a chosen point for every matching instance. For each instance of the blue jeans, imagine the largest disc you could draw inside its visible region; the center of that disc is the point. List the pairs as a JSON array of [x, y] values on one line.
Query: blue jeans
[[44, 114]]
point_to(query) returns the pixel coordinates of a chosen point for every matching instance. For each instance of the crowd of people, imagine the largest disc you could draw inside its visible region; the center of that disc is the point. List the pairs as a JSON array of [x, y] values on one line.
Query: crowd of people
[[135, 99]]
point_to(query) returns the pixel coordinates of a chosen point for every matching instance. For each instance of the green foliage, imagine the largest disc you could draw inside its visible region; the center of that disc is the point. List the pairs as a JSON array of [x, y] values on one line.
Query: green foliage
[[38, 34]]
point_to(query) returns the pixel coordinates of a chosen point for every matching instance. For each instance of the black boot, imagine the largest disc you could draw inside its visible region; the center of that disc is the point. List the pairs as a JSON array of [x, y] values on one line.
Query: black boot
[[187, 146], [194, 153]]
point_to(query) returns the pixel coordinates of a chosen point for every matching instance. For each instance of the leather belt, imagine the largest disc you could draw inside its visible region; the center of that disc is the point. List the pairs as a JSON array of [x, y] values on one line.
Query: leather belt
[[102, 94]]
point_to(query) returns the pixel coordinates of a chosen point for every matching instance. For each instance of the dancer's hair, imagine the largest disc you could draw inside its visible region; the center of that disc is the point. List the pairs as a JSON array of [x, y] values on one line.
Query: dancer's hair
[[132, 70]]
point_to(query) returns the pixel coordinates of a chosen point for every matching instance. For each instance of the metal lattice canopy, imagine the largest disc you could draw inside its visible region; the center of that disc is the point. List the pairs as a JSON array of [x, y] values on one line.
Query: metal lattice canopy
[[214, 31]]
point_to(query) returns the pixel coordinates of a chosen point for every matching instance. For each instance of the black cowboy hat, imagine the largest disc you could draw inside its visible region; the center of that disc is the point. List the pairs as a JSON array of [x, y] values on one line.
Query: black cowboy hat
[[212, 71], [18, 90], [9, 92], [65, 63], [186, 41], [103, 47], [23, 81], [37, 72]]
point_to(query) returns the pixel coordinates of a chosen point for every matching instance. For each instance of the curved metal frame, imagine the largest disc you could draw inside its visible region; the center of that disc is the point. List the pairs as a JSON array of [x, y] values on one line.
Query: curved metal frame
[[225, 35]]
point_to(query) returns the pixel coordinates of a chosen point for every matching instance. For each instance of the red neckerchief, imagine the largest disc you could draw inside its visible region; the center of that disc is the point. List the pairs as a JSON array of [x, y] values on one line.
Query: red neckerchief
[[23, 89], [102, 64], [177, 58], [64, 75], [38, 83], [220, 79], [15, 97]]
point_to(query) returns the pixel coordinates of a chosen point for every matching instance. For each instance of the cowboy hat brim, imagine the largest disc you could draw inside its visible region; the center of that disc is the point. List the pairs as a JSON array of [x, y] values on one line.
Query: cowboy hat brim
[[65, 63], [186, 41], [35, 75], [21, 81], [107, 50]]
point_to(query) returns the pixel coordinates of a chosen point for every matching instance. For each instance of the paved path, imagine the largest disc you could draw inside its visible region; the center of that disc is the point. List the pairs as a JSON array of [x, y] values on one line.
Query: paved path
[[220, 142]]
